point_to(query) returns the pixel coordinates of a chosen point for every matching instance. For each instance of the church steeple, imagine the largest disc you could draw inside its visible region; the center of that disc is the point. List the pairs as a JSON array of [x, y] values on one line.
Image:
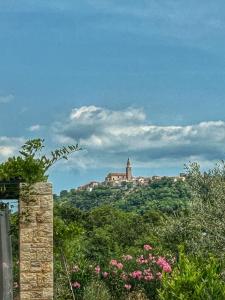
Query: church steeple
[[128, 170]]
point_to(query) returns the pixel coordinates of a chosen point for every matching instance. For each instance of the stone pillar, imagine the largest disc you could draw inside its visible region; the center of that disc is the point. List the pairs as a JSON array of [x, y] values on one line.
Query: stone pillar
[[36, 242]]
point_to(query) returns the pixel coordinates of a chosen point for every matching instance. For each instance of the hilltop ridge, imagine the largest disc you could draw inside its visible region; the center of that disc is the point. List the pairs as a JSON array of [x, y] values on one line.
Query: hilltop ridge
[[163, 194], [119, 179]]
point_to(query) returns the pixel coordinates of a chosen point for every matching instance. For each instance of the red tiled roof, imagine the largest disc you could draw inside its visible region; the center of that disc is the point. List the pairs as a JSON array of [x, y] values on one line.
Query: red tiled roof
[[116, 174]]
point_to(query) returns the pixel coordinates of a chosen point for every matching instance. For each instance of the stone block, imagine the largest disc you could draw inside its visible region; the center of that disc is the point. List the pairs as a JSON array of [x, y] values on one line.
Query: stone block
[[37, 295], [24, 247], [41, 188], [47, 293], [26, 235], [24, 265], [25, 295], [43, 281], [44, 255]]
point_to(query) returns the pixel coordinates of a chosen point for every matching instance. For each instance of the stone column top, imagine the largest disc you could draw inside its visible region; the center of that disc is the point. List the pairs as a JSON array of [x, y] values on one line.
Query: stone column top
[[38, 188]]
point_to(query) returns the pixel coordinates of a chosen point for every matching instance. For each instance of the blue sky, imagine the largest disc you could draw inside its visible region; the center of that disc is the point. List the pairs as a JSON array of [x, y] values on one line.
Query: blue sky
[[144, 79]]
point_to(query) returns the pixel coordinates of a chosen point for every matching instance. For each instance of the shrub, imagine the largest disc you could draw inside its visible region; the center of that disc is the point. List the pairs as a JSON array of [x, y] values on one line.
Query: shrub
[[125, 275], [193, 278], [200, 227]]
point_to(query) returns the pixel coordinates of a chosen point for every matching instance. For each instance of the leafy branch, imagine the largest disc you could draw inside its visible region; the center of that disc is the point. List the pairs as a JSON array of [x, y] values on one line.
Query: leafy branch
[[30, 166]]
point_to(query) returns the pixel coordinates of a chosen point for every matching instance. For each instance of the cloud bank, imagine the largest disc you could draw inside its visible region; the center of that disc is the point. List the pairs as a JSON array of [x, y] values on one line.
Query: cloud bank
[[110, 136]]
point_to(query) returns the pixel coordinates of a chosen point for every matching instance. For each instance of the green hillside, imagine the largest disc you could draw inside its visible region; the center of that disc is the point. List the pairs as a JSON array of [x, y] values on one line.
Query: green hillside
[[158, 242], [164, 195]]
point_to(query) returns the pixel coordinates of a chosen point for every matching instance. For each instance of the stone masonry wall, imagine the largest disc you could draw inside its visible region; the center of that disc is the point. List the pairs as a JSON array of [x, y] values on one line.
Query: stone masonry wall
[[36, 242]]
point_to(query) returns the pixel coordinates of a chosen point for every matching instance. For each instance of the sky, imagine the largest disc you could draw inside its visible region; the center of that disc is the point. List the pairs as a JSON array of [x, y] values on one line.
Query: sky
[[141, 79]]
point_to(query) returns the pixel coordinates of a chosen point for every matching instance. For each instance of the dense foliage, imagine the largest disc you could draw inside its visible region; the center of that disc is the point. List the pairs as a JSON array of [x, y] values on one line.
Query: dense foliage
[[164, 195], [201, 227], [194, 278], [162, 241], [89, 239], [166, 215]]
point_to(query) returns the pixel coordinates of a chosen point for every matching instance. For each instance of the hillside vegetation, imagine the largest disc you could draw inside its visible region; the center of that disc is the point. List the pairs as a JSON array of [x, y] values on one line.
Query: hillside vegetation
[[163, 241], [164, 195]]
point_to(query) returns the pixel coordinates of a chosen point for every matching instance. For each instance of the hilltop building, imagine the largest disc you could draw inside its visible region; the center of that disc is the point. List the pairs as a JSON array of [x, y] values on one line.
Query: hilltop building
[[118, 177], [89, 186], [128, 170]]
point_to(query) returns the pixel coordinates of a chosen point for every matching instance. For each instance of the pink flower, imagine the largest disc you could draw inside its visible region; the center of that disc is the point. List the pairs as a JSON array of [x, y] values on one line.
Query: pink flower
[[127, 257], [97, 270], [113, 262], [163, 263], [127, 286], [147, 272], [105, 274], [119, 266], [136, 274], [141, 260], [76, 285], [148, 247], [148, 275], [167, 268]]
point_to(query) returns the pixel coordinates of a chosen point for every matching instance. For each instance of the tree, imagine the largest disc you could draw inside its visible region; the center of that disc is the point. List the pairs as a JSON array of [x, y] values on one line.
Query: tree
[[201, 225]]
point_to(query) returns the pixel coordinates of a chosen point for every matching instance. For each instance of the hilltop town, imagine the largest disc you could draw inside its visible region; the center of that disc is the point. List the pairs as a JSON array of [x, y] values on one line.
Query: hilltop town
[[127, 178]]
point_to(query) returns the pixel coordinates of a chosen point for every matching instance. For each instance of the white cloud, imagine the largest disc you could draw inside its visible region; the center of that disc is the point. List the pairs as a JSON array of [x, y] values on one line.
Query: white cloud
[[35, 127], [112, 135], [6, 98], [6, 150], [88, 114], [9, 146]]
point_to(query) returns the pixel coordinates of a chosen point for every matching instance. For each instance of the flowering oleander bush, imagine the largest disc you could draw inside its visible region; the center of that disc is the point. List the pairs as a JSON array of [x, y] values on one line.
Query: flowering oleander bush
[[81, 276], [127, 274]]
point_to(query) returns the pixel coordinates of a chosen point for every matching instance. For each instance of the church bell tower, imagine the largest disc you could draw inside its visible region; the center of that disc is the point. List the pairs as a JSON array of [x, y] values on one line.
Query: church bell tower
[[128, 170]]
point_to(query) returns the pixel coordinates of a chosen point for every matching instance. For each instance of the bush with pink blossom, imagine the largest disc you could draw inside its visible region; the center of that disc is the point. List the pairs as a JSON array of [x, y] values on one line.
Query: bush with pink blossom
[[128, 273]]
